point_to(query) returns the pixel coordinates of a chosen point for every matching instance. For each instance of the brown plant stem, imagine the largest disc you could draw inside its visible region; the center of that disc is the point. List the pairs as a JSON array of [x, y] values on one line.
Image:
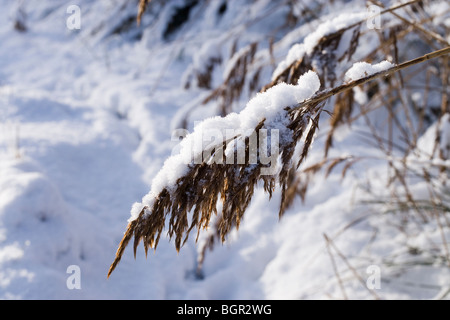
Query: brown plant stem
[[322, 96]]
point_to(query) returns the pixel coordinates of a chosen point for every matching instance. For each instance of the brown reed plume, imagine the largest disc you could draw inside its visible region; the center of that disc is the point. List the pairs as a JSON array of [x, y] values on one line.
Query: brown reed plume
[[199, 190]]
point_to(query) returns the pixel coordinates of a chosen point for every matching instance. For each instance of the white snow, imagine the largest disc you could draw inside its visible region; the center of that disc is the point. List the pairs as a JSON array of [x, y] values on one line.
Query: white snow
[[86, 120], [361, 70]]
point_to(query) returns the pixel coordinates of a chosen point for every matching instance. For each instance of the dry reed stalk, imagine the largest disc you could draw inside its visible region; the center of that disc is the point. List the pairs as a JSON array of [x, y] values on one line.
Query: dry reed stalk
[[417, 25], [331, 244], [333, 263], [142, 7], [435, 213], [324, 52], [231, 89], [323, 61], [199, 190], [204, 77], [208, 244]]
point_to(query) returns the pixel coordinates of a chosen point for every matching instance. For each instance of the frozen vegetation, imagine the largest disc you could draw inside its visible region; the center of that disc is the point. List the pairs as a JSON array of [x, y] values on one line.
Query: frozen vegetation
[[90, 121]]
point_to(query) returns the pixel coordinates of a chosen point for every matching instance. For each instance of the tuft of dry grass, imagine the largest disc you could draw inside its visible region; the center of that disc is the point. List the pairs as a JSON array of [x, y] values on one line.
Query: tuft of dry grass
[[142, 7], [231, 89]]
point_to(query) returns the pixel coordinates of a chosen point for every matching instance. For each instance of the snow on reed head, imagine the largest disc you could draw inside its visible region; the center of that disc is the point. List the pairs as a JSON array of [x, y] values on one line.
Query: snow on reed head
[[269, 106]]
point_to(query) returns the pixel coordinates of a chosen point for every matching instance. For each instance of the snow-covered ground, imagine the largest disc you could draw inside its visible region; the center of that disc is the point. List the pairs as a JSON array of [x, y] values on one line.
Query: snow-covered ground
[[86, 122]]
